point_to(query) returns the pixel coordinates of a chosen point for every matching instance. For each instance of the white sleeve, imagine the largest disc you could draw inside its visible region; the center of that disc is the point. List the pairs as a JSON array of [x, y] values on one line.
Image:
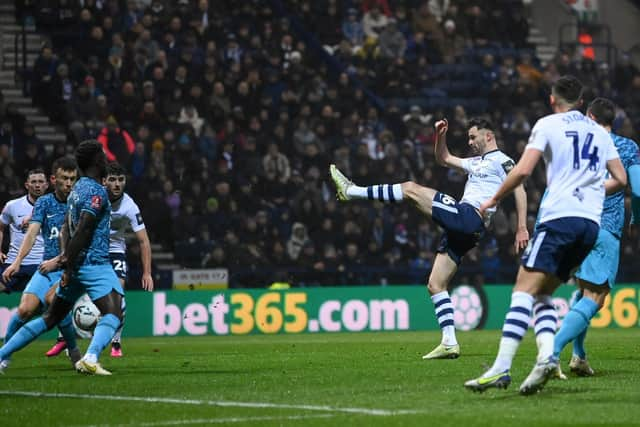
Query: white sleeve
[[5, 217], [612, 152], [466, 164], [538, 139], [135, 218]]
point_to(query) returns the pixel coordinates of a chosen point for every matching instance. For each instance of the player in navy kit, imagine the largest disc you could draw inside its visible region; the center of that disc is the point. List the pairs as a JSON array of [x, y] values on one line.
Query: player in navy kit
[[462, 223], [15, 216], [578, 153], [597, 273]]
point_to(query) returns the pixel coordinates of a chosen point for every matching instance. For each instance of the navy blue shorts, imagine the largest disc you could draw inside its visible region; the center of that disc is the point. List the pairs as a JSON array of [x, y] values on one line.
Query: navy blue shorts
[[559, 246], [20, 278], [119, 264], [463, 226]]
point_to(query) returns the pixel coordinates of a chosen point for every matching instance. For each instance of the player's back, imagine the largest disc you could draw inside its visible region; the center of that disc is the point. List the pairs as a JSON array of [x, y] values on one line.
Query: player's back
[[50, 212], [576, 150], [13, 215], [613, 208], [89, 196]]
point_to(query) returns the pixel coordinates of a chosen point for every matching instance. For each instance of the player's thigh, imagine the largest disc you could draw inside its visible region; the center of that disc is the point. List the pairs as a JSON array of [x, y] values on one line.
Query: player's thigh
[[600, 267], [40, 284], [444, 268], [535, 282], [98, 280], [57, 311], [421, 196]]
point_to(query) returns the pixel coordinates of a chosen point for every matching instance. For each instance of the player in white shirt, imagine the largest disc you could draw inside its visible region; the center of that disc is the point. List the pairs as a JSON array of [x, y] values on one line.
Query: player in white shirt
[[577, 152], [15, 216], [125, 215], [462, 223]]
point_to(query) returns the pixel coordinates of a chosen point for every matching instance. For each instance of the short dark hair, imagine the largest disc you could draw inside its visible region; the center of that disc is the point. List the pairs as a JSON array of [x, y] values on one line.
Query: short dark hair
[[480, 123], [603, 110], [35, 171], [569, 89], [86, 153], [115, 169], [66, 163]]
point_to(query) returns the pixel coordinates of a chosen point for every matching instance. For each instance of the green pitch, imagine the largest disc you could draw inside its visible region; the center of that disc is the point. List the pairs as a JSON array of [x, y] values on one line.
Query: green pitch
[[370, 379]]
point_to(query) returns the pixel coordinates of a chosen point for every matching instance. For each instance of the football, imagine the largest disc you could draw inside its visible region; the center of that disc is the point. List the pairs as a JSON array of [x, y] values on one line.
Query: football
[[468, 307], [85, 315]]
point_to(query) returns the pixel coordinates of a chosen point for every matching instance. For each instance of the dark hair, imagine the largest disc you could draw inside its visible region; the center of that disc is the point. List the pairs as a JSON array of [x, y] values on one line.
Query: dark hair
[[603, 110], [480, 123], [66, 163], [86, 153], [569, 89], [115, 169], [35, 171]]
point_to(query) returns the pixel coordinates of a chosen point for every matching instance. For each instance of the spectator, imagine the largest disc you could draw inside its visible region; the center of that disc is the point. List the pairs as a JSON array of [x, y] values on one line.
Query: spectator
[[118, 144]]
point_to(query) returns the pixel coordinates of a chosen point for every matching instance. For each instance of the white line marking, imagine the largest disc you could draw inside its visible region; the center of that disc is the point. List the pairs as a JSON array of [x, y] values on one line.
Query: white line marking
[[223, 403], [215, 421]]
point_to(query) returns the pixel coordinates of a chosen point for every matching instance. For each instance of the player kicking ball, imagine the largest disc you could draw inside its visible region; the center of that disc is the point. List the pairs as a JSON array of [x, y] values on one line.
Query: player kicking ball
[[462, 222]]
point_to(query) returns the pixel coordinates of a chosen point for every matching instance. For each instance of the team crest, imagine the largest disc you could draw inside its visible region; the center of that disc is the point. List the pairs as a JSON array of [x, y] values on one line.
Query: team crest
[[96, 202]]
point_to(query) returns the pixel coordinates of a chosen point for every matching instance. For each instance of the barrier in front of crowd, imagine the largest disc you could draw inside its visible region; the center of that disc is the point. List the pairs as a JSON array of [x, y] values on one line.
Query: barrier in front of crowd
[[333, 309]]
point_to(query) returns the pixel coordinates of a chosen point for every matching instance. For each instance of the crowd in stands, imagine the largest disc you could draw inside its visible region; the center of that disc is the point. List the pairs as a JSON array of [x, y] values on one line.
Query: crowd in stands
[[227, 115]]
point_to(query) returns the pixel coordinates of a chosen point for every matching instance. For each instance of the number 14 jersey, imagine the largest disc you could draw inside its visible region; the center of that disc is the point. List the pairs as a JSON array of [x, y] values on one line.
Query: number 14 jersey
[[576, 150]]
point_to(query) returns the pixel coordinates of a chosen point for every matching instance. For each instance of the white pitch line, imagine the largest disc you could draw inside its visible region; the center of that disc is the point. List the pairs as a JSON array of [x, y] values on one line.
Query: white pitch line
[[215, 421], [224, 403]]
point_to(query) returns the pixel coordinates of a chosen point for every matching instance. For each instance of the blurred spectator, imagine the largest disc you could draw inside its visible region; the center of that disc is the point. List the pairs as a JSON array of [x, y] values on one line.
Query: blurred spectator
[[118, 144]]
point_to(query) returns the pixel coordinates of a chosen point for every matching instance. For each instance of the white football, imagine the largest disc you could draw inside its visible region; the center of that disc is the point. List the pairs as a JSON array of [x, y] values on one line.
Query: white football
[[85, 315]]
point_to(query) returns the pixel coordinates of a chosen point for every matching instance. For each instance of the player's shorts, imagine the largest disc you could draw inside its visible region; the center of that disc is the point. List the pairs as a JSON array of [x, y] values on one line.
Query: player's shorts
[[560, 245], [95, 280], [40, 284], [119, 264], [600, 267], [19, 279], [463, 226]]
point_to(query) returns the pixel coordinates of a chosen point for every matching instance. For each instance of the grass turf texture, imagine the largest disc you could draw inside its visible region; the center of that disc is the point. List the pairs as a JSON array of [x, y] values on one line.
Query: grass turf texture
[[372, 371]]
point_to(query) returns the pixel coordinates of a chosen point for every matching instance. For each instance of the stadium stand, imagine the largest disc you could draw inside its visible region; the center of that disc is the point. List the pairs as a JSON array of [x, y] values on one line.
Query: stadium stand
[[235, 112]]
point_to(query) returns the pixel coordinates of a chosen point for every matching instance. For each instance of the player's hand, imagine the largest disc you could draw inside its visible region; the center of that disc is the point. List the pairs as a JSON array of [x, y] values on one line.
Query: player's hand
[[10, 271], [3, 257], [522, 239], [49, 265], [147, 282], [64, 280], [491, 203], [442, 126]]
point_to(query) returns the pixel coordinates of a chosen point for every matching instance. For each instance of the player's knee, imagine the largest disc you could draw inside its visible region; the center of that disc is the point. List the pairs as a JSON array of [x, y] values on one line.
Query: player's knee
[[434, 287], [26, 312]]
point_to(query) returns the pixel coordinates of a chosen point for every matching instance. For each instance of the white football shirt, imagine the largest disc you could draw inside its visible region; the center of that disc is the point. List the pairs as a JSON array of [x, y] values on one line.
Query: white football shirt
[[13, 215], [125, 214], [486, 174], [575, 150]]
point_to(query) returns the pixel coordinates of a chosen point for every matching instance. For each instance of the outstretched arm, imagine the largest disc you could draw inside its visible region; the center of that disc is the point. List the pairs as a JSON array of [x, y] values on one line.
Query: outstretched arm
[[516, 177], [27, 243], [443, 156], [522, 234], [145, 255]]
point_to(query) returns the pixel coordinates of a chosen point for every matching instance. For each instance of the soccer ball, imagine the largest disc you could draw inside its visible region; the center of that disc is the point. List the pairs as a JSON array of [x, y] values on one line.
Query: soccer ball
[[85, 315], [468, 308]]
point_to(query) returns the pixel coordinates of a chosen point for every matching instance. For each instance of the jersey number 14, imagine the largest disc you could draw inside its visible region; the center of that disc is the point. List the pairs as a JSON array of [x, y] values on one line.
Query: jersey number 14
[[584, 153]]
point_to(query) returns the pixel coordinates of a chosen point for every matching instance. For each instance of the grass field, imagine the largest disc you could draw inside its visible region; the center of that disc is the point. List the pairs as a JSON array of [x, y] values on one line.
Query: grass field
[[370, 379]]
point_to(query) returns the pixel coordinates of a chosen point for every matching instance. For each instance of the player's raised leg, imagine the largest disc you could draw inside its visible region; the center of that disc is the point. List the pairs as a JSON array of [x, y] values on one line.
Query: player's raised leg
[[444, 268]]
